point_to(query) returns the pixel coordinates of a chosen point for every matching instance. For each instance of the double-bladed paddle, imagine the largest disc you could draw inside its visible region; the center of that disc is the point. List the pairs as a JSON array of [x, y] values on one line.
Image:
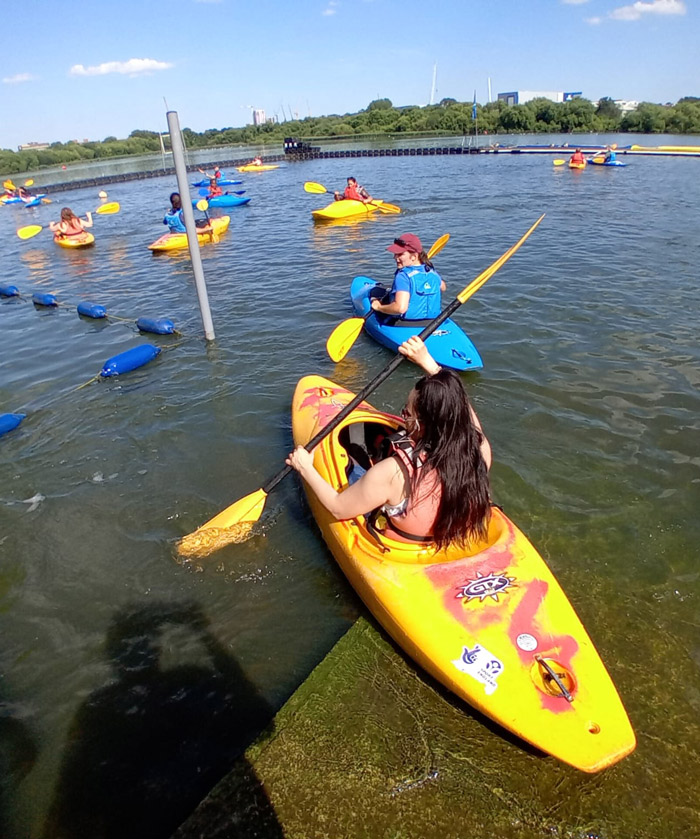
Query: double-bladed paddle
[[203, 205], [32, 230], [320, 189], [234, 524], [205, 192], [345, 334]]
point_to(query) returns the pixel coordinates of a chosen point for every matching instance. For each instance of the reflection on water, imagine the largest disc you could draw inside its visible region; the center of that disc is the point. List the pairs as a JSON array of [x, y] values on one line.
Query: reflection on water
[[589, 396]]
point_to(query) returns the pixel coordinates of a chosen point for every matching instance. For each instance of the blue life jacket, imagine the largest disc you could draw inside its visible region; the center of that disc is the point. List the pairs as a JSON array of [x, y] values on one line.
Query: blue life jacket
[[425, 294], [173, 218]]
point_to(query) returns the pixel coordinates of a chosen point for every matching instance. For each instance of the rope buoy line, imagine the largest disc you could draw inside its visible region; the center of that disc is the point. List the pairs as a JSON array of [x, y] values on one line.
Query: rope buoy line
[[117, 365]]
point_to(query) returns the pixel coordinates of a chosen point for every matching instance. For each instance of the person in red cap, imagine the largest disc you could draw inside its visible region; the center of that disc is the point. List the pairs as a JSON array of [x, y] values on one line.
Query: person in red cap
[[353, 192], [416, 291]]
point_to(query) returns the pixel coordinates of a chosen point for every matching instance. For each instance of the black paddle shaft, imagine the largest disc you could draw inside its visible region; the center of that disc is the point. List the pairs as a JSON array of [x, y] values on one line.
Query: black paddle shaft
[[364, 393]]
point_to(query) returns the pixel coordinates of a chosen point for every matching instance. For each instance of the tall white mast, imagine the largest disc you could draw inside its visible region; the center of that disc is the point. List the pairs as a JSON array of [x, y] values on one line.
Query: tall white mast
[[432, 90], [489, 88]]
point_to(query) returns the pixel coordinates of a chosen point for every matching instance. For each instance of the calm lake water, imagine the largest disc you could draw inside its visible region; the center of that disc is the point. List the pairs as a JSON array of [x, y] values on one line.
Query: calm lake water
[[589, 395]]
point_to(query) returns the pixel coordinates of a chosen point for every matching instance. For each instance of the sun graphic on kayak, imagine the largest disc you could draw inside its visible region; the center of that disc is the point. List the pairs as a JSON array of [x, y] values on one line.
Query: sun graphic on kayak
[[489, 585]]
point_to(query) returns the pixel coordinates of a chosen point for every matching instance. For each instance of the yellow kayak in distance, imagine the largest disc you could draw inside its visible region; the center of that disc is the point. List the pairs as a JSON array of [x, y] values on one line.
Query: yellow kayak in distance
[[178, 241], [577, 165], [251, 167], [345, 208], [489, 621], [82, 240]]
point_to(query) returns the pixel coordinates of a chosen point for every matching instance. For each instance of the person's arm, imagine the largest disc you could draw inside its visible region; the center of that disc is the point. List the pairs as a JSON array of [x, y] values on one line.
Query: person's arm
[[55, 226], [88, 219], [376, 487], [398, 306]]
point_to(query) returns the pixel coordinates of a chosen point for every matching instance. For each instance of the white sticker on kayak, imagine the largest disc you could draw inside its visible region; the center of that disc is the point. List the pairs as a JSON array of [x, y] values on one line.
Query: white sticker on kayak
[[481, 665], [526, 642]]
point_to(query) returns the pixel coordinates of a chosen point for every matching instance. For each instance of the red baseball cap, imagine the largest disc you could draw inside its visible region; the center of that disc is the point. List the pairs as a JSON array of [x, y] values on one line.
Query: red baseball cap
[[407, 243]]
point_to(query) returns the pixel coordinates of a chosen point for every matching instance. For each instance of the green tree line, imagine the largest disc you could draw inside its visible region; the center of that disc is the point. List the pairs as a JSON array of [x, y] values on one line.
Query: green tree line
[[381, 117]]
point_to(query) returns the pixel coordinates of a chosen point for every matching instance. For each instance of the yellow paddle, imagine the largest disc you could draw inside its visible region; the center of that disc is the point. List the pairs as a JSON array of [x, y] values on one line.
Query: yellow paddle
[[9, 185], [559, 162], [203, 205], [29, 182], [32, 230], [234, 524], [319, 189], [345, 334]]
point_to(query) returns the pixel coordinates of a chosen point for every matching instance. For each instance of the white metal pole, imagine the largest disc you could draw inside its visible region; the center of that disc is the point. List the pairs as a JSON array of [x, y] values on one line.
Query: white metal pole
[[183, 187]]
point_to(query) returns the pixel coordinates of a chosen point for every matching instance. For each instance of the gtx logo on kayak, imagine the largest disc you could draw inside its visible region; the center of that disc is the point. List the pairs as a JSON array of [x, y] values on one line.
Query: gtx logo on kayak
[[482, 587]]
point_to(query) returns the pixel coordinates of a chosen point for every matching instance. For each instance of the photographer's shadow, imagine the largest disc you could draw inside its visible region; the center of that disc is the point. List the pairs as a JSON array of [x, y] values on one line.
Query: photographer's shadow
[[145, 749]]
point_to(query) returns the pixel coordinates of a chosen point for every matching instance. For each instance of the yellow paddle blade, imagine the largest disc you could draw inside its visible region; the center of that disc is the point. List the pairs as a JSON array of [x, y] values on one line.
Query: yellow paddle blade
[[232, 525], [387, 208], [599, 159], [558, 162], [202, 205], [438, 245], [317, 189], [8, 185], [108, 209], [46, 201], [476, 284], [342, 338], [29, 231], [29, 182]]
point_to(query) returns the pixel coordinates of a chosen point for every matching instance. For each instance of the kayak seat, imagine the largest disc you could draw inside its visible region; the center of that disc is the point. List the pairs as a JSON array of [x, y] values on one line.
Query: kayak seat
[[363, 443]]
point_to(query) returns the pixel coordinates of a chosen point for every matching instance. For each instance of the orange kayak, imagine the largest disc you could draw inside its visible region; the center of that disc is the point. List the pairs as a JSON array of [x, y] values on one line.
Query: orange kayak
[[489, 620]]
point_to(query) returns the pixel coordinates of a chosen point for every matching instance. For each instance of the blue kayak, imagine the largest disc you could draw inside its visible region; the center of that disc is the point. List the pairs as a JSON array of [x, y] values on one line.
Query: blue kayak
[[449, 345], [594, 162], [223, 201], [220, 182], [35, 201]]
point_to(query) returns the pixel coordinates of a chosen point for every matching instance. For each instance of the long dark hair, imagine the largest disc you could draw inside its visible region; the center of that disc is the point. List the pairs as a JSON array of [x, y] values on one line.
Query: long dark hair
[[451, 443], [423, 256]]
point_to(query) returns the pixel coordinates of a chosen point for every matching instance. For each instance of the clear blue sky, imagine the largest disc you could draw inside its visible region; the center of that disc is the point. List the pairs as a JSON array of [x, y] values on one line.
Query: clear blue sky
[[106, 70]]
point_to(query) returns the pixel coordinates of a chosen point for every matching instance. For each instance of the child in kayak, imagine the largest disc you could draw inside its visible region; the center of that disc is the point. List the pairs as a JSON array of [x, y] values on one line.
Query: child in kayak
[[214, 189], [216, 175], [175, 221], [577, 157], [70, 224], [256, 161], [353, 192], [433, 486], [417, 287]]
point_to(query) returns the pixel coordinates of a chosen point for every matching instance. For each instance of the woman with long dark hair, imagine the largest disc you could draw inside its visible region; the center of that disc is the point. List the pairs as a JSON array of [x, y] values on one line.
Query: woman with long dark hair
[[433, 487]]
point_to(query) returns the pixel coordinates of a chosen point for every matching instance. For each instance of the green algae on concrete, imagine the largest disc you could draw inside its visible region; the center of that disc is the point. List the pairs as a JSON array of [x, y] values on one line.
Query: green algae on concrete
[[370, 748]]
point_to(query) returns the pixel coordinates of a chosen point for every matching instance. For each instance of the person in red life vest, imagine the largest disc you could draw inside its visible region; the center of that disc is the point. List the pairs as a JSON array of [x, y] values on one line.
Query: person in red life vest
[[577, 157], [353, 192], [433, 486], [216, 175], [214, 189], [70, 224], [256, 161]]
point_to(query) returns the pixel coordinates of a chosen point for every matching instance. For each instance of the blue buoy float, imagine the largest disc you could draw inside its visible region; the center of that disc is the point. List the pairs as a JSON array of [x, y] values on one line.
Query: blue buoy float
[[9, 291], [160, 326], [129, 360], [10, 421], [43, 298], [92, 310]]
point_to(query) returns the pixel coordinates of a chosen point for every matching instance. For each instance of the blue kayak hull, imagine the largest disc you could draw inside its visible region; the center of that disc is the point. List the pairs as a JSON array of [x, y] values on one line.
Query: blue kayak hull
[[223, 201], [608, 163], [449, 345], [220, 182]]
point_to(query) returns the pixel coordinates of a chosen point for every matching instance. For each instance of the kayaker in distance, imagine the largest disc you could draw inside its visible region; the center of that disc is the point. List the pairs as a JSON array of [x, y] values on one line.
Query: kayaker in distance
[[610, 155], [214, 189], [176, 223], [70, 224], [353, 192], [433, 486], [577, 157], [416, 291], [256, 161], [216, 174]]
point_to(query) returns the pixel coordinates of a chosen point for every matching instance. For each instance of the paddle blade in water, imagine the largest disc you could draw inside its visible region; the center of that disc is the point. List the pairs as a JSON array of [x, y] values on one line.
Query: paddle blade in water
[[558, 162], [232, 525], [317, 189], [598, 159], [387, 208], [108, 209], [29, 231], [343, 337]]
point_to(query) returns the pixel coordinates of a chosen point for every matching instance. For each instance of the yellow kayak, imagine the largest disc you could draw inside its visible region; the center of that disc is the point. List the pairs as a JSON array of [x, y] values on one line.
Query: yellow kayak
[[489, 621], [345, 208], [577, 165], [251, 167], [177, 241], [82, 240]]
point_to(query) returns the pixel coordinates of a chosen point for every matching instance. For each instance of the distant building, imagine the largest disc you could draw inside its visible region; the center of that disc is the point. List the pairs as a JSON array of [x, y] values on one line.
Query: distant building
[[520, 97], [33, 147], [258, 116], [626, 105]]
